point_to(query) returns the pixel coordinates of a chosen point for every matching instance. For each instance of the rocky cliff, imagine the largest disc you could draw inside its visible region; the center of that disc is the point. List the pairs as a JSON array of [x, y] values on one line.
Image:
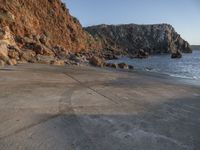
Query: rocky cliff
[[39, 30], [43, 31], [49, 18], [154, 39]]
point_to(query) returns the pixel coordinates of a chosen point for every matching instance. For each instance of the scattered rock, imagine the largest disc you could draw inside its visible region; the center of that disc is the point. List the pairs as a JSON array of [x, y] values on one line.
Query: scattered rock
[[58, 62], [176, 55], [130, 67], [6, 36], [29, 37], [13, 54], [111, 65], [11, 62], [45, 59], [43, 39], [78, 58], [110, 56], [47, 51], [96, 61], [6, 15], [120, 65], [142, 54], [74, 57], [34, 47], [123, 66], [60, 52], [2, 63], [4, 52], [28, 55]]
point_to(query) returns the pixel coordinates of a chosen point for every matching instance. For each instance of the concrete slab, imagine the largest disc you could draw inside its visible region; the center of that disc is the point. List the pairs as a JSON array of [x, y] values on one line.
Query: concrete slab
[[83, 108]]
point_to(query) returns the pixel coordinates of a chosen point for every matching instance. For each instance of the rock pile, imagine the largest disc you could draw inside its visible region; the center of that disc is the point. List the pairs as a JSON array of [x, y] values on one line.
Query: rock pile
[[17, 49], [41, 31], [176, 55]]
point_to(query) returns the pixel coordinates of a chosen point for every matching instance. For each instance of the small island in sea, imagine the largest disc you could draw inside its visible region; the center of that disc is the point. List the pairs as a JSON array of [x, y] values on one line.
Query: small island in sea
[[101, 87]]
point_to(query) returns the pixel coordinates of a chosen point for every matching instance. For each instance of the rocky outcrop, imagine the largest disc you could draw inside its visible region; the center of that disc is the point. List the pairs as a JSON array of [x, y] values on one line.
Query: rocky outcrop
[[48, 21], [28, 50], [119, 65], [96, 61], [43, 31], [123, 66], [176, 55], [40, 31], [131, 39]]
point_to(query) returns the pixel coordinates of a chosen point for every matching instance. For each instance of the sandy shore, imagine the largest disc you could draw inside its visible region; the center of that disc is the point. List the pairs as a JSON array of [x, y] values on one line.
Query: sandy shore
[[83, 108]]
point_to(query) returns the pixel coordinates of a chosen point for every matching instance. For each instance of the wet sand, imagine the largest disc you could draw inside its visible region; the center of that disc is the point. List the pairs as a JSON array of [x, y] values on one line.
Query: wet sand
[[84, 108]]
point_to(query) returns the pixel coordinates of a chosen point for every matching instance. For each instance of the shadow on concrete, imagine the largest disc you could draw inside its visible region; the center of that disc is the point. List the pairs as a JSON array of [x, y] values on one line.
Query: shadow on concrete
[[171, 125]]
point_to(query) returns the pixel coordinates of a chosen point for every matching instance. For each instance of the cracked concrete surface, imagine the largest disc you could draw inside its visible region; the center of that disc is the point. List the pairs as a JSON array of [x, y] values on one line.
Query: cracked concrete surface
[[64, 108]]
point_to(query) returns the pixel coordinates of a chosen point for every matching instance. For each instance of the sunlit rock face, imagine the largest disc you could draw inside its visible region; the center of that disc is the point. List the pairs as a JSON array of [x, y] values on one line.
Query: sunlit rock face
[[40, 31], [50, 18]]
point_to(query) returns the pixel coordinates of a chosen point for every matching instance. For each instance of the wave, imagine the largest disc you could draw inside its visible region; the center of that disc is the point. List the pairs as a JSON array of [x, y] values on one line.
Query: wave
[[174, 75]]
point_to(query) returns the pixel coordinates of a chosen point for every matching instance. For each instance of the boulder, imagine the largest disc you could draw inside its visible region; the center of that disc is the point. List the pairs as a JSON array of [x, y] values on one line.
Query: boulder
[[47, 51], [96, 61], [58, 62], [6, 15], [13, 54], [43, 39], [74, 57], [142, 54], [120, 65], [28, 55], [60, 52], [34, 47], [3, 52], [78, 58], [6, 36], [110, 56], [176, 55], [130, 67], [2, 63], [11, 62], [37, 47], [45, 59], [7, 56], [2, 33], [111, 65], [123, 66]]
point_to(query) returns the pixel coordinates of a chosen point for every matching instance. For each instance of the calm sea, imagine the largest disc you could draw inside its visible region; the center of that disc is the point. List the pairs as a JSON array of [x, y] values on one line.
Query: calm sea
[[187, 67]]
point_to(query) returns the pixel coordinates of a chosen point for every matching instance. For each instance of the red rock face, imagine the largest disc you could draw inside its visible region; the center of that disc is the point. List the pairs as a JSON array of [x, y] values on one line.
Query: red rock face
[[45, 17]]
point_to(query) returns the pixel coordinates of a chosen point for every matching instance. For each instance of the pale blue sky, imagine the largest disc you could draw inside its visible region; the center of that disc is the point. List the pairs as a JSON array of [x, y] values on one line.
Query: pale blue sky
[[184, 15]]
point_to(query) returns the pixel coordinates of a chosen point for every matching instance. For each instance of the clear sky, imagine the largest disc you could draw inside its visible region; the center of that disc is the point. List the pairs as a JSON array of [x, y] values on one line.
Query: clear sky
[[184, 15]]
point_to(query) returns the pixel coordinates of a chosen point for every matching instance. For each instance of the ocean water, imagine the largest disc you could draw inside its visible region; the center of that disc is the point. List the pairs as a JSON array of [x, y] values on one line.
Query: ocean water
[[187, 67]]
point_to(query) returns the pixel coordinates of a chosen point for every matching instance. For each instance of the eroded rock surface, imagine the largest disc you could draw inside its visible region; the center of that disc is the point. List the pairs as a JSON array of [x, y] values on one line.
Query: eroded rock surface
[[47, 20], [43, 31], [131, 38], [31, 31]]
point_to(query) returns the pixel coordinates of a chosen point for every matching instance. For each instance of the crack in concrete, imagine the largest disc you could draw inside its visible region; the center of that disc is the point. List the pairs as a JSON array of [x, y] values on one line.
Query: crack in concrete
[[31, 126], [97, 92]]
